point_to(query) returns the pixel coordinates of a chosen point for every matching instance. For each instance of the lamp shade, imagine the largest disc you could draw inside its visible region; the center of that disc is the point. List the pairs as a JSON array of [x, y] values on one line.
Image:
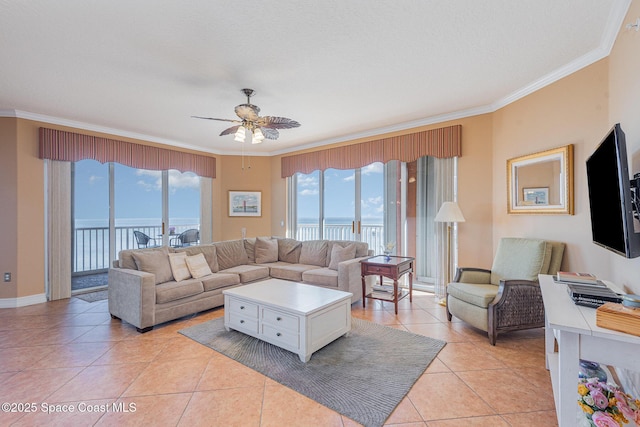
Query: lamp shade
[[449, 212]]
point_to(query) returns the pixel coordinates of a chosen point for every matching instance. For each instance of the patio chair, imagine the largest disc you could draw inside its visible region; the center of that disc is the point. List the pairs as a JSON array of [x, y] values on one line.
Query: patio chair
[[507, 297], [143, 240], [186, 238]]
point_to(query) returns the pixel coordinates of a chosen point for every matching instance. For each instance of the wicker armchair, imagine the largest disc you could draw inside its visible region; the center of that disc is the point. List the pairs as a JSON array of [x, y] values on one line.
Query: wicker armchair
[[507, 297]]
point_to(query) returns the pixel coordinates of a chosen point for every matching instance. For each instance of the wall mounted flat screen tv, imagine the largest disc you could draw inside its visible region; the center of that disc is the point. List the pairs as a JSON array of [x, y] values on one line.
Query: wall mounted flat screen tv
[[610, 196]]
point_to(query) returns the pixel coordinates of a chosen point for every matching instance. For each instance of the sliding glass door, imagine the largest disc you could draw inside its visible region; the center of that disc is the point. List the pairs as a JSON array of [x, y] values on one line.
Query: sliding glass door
[[339, 205], [117, 207]]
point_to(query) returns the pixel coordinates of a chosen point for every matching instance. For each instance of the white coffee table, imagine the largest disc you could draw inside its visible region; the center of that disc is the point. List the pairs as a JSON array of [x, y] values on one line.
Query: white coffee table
[[297, 317]]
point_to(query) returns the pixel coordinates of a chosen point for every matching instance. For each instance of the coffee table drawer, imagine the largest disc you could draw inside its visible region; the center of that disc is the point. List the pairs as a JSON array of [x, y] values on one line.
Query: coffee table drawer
[[287, 338], [243, 307], [281, 320], [243, 323]]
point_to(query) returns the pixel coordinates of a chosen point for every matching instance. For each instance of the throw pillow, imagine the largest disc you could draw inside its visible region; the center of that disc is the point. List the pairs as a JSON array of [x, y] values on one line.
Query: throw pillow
[[156, 263], [198, 266], [209, 252], [231, 253], [314, 252], [178, 262], [340, 254], [289, 250], [249, 246], [266, 250]]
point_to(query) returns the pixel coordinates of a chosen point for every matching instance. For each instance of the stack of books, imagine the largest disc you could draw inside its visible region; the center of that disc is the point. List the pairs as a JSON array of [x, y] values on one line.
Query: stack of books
[[585, 289], [582, 278]]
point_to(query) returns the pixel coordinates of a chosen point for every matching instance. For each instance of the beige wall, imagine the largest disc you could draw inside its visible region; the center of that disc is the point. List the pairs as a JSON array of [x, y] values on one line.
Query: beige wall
[[624, 92], [255, 175], [570, 111], [9, 206]]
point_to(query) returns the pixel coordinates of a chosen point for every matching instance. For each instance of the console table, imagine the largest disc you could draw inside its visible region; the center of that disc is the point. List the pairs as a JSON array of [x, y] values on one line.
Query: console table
[[574, 329], [392, 267]]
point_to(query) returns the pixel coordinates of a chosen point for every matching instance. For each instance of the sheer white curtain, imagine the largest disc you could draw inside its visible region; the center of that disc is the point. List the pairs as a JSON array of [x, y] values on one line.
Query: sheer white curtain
[[445, 191], [58, 246]]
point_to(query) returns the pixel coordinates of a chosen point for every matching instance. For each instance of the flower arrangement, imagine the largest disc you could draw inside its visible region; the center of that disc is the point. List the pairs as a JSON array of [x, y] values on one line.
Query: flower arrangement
[[388, 247], [606, 405]]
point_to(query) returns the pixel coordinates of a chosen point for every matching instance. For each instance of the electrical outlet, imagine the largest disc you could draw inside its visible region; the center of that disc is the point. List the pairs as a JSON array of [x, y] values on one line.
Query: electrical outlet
[[244, 232], [7, 277]]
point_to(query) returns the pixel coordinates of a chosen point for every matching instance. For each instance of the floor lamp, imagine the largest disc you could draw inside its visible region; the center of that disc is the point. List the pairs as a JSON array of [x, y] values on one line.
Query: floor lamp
[[449, 212]]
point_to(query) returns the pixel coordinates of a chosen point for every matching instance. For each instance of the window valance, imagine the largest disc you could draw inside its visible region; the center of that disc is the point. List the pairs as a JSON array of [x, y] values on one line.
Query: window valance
[[443, 142], [72, 147]]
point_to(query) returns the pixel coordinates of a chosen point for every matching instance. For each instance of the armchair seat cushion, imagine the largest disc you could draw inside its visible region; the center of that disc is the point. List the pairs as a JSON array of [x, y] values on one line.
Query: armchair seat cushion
[[478, 294]]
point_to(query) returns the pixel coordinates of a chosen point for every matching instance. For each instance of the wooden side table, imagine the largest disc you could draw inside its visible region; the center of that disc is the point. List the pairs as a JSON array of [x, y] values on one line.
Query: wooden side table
[[392, 268]]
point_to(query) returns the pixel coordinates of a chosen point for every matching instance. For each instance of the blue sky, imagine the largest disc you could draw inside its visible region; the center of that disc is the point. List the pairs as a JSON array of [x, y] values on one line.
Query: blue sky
[[138, 192]]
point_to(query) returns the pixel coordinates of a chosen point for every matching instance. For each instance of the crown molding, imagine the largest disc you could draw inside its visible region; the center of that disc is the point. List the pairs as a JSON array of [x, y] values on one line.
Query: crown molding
[[441, 118], [101, 129]]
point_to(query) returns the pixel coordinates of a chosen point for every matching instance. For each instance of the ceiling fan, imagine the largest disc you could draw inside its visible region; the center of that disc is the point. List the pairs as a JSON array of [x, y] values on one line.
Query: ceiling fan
[[260, 127]]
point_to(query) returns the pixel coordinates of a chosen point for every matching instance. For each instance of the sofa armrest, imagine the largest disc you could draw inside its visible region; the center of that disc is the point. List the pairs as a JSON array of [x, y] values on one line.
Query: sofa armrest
[[350, 277], [132, 296], [472, 275]]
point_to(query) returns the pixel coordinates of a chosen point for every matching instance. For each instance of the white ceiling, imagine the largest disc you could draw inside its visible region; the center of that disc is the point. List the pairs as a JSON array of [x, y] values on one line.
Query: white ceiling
[[342, 68]]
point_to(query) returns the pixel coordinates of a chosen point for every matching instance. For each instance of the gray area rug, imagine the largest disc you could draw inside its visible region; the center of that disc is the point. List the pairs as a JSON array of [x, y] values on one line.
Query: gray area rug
[[362, 376], [93, 296]]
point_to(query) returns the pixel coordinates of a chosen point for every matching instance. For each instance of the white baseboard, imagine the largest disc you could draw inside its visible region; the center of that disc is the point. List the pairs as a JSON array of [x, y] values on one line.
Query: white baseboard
[[22, 301]]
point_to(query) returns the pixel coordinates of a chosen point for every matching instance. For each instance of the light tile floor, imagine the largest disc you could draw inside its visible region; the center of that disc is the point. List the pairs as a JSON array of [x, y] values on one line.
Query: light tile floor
[[72, 353]]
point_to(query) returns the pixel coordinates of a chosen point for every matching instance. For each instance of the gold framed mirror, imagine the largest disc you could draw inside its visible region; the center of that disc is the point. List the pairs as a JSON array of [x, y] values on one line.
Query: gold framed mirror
[[541, 183]]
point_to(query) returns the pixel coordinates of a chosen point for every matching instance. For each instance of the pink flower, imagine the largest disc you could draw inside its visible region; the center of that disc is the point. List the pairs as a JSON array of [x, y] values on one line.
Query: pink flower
[[600, 399], [602, 419]]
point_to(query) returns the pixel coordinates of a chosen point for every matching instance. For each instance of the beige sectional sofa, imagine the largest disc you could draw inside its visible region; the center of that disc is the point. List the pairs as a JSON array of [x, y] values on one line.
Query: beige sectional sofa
[[151, 286]]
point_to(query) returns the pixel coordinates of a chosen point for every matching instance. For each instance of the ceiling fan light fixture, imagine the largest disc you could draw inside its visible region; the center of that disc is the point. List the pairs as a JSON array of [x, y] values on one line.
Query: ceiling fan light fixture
[[240, 134], [257, 134]]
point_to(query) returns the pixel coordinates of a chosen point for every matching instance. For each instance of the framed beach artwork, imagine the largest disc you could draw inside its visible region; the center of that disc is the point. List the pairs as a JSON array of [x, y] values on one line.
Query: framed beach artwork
[[245, 203], [536, 196]]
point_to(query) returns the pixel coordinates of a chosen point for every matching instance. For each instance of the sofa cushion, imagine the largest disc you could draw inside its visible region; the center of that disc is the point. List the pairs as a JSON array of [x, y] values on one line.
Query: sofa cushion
[[479, 295], [340, 254], [171, 291], [198, 266], [155, 262], [362, 248], [209, 252], [179, 269], [248, 272], [125, 257], [288, 271], [249, 247], [321, 276], [314, 252], [231, 253], [219, 280], [289, 250], [266, 250]]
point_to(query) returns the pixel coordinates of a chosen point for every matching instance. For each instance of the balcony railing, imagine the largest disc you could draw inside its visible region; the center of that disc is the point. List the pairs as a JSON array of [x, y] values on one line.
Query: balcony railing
[[372, 234], [91, 244]]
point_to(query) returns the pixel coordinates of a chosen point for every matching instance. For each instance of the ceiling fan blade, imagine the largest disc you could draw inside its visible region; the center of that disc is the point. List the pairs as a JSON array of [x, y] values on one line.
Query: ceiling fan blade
[[247, 112], [277, 122], [230, 130], [270, 133], [213, 118]]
